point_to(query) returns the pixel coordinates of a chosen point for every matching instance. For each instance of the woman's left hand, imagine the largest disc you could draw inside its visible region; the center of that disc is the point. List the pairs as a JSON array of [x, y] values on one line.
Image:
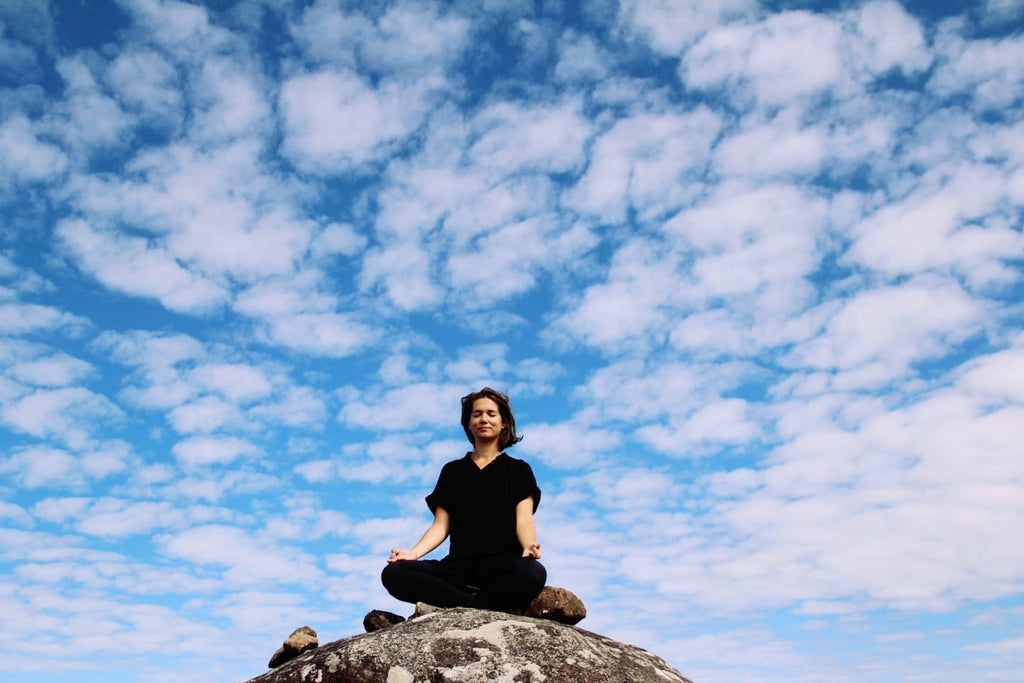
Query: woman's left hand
[[532, 551], [399, 554]]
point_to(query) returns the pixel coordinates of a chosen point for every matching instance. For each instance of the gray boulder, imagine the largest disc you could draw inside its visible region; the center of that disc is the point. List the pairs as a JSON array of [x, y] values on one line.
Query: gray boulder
[[465, 645]]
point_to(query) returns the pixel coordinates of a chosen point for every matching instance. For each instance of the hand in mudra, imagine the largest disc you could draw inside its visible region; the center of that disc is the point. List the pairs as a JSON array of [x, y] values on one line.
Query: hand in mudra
[[399, 554], [532, 551]]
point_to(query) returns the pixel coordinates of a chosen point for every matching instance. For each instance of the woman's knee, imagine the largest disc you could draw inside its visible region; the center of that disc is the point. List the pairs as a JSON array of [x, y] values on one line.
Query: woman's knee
[[535, 573], [391, 575]]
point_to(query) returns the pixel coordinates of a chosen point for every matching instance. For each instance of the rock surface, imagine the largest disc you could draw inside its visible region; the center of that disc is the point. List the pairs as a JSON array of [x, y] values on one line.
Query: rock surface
[[475, 646], [301, 640]]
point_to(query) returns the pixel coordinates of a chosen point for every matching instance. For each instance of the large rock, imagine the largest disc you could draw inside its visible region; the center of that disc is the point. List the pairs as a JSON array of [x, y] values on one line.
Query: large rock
[[475, 646]]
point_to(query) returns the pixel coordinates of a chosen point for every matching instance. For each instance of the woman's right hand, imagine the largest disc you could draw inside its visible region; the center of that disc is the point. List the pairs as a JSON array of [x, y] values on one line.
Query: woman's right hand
[[399, 554]]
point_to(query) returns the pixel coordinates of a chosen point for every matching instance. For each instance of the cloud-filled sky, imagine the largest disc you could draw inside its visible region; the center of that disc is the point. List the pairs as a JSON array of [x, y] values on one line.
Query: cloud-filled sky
[[750, 271]]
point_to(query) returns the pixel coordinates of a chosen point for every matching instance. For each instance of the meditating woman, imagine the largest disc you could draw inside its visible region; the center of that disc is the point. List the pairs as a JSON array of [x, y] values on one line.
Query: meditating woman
[[484, 502]]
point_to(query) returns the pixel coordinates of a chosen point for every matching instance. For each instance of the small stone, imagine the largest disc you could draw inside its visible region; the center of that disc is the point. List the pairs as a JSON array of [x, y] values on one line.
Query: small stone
[[423, 609], [377, 619], [302, 639], [557, 604]]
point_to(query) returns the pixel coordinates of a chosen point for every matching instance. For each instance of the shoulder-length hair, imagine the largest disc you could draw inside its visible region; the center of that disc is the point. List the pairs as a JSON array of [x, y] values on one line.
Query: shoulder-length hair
[[508, 436]]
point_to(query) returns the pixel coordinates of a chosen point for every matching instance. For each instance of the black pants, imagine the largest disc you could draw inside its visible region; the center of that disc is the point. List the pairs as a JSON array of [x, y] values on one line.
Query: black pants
[[504, 582]]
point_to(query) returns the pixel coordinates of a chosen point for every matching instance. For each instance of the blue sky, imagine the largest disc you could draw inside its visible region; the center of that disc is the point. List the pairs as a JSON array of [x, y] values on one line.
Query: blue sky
[[751, 272]]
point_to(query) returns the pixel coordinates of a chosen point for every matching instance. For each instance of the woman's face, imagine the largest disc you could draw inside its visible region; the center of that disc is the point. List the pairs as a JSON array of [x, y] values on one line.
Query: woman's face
[[485, 421]]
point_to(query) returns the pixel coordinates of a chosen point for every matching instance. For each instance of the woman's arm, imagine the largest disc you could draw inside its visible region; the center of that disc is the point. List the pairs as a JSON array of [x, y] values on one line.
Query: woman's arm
[[432, 537], [526, 530]]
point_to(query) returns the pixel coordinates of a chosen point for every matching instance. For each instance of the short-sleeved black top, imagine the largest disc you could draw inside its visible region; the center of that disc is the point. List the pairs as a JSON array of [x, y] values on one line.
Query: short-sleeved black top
[[482, 504]]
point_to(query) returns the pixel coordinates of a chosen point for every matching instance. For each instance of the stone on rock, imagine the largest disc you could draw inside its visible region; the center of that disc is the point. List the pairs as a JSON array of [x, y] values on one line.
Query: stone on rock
[[302, 639], [463, 645], [557, 604], [377, 619]]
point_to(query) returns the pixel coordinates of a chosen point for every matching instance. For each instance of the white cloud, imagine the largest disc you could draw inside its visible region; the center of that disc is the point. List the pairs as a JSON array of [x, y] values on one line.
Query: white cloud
[[233, 549], [719, 423], [42, 467], [180, 27], [538, 139], [161, 383], [297, 407], [630, 392], [1004, 9], [570, 445], [209, 450], [894, 327], [334, 120], [404, 272], [200, 218], [18, 57], [236, 382], [321, 333], [147, 84], [954, 225], [21, 318], [633, 303], [406, 39], [748, 328], [887, 37], [89, 118], [442, 211], [788, 55], [337, 238], [632, 491], [72, 415], [133, 266], [777, 147], [989, 71], [752, 241], [885, 535], [229, 102], [516, 252], [408, 407], [329, 35], [413, 38], [59, 510], [387, 462], [24, 157], [645, 162], [15, 513], [206, 414], [33, 365], [580, 59], [670, 27], [227, 237], [998, 376], [109, 517]]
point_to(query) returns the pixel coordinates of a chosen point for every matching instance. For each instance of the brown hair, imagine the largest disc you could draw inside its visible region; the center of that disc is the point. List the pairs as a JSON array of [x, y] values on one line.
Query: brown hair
[[508, 436]]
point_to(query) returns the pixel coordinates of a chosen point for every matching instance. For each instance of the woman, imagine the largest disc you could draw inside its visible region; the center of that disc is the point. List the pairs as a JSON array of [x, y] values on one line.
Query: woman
[[484, 502]]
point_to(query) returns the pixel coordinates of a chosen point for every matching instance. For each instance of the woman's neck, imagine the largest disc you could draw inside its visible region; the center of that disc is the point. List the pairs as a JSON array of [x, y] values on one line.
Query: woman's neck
[[485, 452]]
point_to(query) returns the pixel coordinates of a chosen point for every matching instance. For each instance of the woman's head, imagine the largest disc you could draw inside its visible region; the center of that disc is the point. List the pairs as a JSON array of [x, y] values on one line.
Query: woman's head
[[508, 436]]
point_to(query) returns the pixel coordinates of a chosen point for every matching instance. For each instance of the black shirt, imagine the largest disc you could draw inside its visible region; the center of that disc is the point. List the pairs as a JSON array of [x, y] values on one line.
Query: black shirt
[[482, 504]]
